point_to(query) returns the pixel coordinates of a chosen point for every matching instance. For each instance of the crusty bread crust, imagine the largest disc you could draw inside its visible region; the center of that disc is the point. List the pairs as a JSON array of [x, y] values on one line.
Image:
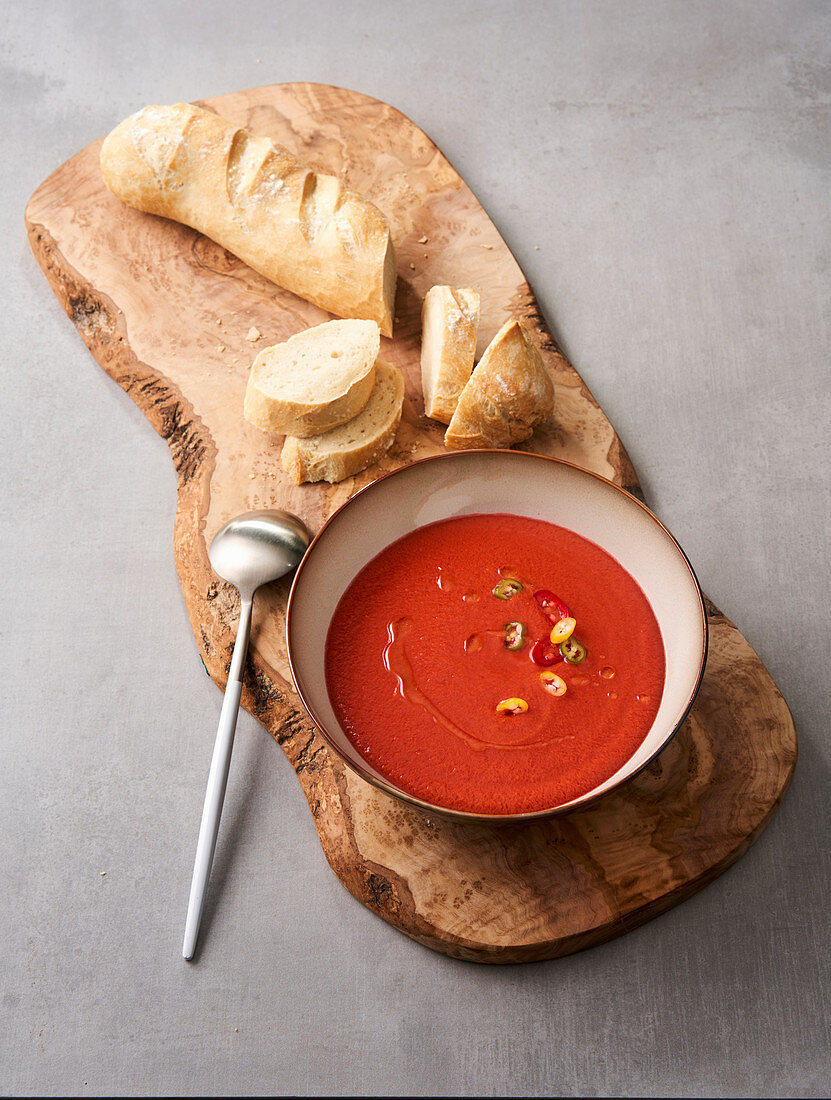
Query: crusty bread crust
[[315, 380], [509, 392], [304, 231], [347, 450], [449, 322]]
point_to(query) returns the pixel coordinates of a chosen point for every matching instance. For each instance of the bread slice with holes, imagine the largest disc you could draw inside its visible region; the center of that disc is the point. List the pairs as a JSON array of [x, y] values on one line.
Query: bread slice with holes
[[449, 321], [508, 394], [314, 381], [301, 229], [352, 447]]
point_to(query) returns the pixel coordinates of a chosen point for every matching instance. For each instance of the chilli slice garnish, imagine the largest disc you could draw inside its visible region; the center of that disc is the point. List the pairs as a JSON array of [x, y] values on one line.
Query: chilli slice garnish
[[516, 635], [553, 684], [573, 651], [563, 629], [511, 706], [507, 588], [544, 653], [551, 606]]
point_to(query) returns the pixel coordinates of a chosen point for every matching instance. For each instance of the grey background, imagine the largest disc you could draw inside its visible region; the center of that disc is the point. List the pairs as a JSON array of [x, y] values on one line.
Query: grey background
[[670, 160]]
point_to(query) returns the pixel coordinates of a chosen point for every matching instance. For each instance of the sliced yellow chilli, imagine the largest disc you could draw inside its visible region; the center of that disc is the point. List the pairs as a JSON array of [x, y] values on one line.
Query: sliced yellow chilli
[[511, 706], [553, 684], [563, 629]]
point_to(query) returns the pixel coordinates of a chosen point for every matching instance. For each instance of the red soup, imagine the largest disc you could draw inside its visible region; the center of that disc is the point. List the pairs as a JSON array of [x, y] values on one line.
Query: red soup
[[494, 664]]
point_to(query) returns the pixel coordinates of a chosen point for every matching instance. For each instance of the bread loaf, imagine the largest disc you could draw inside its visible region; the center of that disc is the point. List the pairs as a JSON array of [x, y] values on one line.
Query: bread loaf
[[304, 231], [347, 450], [314, 381], [449, 320], [509, 392]]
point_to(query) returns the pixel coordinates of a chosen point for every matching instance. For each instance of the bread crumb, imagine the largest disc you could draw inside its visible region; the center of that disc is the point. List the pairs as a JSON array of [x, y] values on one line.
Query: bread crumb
[[412, 266], [536, 248], [219, 320], [102, 873], [422, 240], [254, 335], [220, 347], [489, 246]]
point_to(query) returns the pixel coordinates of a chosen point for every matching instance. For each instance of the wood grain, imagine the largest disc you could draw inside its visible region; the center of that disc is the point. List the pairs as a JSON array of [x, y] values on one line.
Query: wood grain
[[166, 313]]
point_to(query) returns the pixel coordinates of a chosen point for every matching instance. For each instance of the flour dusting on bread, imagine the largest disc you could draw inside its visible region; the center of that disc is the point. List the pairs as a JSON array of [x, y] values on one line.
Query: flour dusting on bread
[[449, 320], [303, 230], [508, 394]]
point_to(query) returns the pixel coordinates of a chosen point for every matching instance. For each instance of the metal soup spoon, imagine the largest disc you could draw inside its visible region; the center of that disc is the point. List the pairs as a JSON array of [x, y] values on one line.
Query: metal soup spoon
[[248, 552]]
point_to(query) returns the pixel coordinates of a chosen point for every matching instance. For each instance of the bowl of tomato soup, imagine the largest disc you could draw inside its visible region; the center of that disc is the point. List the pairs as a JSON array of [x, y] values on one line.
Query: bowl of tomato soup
[[496, 634]]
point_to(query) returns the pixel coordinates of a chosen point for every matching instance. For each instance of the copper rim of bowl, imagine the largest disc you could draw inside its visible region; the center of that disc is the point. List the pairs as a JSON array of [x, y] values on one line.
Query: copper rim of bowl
[[581, 801]]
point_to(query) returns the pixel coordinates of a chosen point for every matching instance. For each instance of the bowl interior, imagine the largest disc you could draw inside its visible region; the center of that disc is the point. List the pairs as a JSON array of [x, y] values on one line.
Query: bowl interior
[[521, 484]]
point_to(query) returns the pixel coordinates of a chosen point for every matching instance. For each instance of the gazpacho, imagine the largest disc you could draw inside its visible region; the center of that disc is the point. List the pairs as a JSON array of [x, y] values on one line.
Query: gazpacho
[[494, 664]]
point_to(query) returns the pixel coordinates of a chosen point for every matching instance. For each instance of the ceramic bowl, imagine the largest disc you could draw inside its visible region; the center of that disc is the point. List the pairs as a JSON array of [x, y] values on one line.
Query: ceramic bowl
[[516, 482]]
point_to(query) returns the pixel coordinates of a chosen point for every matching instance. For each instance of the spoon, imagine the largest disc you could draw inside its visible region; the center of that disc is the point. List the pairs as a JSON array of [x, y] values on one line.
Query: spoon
[[248, 552]]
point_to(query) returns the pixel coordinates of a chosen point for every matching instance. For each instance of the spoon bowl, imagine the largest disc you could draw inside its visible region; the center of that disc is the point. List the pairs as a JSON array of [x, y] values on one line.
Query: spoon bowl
[[247, 552], [256, 548]]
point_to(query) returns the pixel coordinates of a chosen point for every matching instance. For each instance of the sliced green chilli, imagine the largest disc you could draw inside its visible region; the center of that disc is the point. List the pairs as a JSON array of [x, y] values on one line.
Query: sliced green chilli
[[507, 588], [573, 651], [516, 635]]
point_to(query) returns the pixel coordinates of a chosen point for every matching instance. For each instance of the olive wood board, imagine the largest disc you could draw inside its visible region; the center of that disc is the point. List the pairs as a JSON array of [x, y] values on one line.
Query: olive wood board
[[168, 315]]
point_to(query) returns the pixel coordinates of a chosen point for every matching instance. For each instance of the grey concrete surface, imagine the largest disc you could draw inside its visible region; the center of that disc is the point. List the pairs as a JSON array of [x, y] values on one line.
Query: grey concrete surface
[[670, 161]]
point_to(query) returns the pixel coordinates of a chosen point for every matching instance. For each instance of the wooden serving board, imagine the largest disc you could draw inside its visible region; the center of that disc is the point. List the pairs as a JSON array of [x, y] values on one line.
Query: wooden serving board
[[166, 313]]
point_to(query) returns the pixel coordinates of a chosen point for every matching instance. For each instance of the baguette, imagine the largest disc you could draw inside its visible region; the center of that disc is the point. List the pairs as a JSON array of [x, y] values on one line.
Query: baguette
[[347, 450], [306, 232], [314, 381], [509, 392], [449, 320]]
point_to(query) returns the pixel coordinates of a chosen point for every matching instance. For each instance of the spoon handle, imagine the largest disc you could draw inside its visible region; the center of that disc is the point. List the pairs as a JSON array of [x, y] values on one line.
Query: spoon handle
[[217, 781]]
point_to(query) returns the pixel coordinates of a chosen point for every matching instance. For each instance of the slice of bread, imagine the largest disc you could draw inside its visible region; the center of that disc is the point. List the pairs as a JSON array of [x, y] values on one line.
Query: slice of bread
[[509, 392], [352, 447], [449, 320], [315, 381]]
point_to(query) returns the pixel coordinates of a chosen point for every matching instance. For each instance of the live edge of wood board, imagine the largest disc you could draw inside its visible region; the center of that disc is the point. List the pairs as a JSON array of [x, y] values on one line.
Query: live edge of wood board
[[168, 315]]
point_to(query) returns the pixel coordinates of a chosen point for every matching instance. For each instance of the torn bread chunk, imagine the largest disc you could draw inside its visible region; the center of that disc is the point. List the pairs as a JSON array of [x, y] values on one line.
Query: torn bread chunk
[[508, 394], [314, 381], [449, 321], [353, 446]]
